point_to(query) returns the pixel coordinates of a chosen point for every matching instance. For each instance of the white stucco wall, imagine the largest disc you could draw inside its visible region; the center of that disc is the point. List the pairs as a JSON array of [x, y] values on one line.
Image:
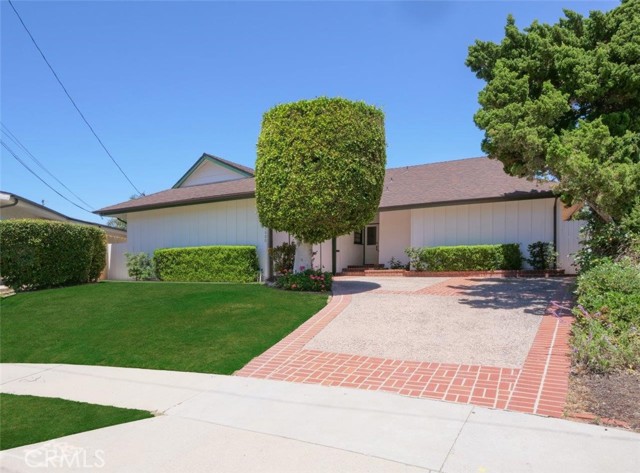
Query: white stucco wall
[[233, 222], [395, 235], [208, 173]]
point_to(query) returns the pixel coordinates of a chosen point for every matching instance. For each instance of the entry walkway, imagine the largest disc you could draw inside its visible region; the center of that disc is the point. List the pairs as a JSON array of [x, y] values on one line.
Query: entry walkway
[[229, 423]]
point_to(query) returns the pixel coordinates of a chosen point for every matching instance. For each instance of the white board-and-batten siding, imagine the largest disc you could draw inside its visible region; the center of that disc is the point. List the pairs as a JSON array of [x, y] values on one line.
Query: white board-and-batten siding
[[522, 221], [233, 222]]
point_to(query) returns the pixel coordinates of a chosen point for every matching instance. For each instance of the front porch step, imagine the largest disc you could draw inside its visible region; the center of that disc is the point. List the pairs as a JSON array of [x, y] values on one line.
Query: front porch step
[[362, 267]]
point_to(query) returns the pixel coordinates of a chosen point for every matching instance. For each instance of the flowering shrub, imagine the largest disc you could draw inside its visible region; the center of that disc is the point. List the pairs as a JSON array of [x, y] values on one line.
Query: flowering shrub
[[313, 280], [283, 257]]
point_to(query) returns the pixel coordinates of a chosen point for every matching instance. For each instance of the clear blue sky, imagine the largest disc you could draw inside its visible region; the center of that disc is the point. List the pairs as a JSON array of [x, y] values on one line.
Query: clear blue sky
[[163, 82]]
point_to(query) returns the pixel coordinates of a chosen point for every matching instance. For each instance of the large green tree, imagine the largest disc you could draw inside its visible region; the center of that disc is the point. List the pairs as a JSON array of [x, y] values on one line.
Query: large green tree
[[320, 169], [563, 101]]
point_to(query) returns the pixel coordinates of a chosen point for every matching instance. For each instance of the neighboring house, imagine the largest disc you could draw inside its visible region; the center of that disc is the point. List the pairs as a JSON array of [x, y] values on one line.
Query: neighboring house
[[469, 201], [13, 206]]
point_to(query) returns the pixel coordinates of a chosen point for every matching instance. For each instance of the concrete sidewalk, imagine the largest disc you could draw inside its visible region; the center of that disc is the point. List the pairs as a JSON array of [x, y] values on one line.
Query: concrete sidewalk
[[224, 423]]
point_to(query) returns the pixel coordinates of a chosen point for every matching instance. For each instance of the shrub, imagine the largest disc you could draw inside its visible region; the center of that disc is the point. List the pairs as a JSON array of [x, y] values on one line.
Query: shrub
[[599, 347], [466, 258], [283, 257], [207, 264], [542, 255], [397, 264], [140, 266], [308, 280], [606, 333], [39, 253], [599, 241], [613, 289]]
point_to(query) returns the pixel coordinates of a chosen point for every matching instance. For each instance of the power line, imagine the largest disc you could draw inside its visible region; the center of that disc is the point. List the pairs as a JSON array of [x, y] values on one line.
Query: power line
[[13, 138], [70, 98], [41, 180]]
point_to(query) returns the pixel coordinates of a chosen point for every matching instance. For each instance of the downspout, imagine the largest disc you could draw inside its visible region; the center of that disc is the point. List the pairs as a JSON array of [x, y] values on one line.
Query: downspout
[[333, 256], [555, 231], [269, 257]]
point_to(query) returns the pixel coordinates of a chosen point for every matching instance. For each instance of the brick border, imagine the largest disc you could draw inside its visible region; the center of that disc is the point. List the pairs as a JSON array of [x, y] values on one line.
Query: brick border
[[539, 387]]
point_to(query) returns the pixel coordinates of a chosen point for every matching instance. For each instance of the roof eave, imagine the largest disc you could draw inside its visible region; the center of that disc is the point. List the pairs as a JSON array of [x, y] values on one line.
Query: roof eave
[[182, 203], [445, 203]]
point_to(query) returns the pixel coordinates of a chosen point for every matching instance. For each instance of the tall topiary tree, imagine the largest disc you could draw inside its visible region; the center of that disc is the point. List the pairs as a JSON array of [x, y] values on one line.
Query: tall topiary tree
[[564, 100], [320, 169]]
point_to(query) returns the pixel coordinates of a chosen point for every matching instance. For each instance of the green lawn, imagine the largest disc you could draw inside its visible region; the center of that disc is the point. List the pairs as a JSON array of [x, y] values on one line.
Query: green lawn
[[28, 419], [203, 327]]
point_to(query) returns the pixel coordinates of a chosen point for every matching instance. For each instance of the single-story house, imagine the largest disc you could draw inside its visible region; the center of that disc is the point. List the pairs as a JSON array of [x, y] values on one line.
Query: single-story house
[[13, 206], [468, 201]]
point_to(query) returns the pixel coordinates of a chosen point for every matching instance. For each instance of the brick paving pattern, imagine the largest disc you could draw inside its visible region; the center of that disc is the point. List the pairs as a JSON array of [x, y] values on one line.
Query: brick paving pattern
[[539, 387]]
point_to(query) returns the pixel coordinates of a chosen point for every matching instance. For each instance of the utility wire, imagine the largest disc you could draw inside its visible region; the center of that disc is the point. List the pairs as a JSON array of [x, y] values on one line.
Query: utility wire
[[13, 138], [42, 180], [70, 98]]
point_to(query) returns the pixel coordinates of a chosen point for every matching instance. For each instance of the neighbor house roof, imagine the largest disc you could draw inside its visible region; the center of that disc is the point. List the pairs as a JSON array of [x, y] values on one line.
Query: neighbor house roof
[[461, 181], [13, 206], [450, 182]]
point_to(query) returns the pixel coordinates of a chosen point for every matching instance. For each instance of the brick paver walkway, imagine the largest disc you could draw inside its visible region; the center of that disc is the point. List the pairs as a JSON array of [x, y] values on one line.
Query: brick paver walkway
[[539, 387]]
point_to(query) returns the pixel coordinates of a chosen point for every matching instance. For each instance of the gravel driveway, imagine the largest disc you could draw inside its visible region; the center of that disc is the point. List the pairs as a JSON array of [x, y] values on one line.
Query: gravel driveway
[[489, 322]]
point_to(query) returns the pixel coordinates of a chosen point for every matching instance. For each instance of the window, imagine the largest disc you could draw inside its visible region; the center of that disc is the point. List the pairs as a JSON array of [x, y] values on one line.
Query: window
[[357, 237], [372, 235]]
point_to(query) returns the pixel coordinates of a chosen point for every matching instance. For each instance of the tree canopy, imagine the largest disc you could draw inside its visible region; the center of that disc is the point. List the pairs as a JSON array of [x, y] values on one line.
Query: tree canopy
[[320, 167], [563, 101]]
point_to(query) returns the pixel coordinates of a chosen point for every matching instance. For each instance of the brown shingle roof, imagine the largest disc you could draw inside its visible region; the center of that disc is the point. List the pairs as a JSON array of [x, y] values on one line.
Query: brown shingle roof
[[462, 181], [227, 190]]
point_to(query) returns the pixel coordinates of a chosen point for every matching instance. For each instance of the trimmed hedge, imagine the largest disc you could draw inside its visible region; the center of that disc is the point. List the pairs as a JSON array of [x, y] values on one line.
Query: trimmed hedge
[[36, 254], [207, 264], [466, 257]]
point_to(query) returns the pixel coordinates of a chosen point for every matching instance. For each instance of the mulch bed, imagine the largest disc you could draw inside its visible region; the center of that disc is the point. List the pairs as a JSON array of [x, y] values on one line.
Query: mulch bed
[[612, 399]]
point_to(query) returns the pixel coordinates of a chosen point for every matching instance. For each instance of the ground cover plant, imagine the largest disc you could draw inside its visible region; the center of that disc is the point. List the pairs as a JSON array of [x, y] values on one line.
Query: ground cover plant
[[30, 419], [202, 327]]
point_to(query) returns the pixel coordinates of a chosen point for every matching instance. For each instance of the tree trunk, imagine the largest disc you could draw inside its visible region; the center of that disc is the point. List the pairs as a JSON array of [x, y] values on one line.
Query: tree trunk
[[304, 256]]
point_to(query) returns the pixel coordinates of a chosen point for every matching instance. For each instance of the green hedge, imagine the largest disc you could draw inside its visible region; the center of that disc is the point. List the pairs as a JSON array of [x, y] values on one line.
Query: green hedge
[[36, 254], [207, 264], [466, 258]]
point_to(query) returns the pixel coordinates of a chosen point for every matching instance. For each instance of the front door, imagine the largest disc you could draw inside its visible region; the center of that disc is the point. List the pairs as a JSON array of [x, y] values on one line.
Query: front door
[[371, 244]]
